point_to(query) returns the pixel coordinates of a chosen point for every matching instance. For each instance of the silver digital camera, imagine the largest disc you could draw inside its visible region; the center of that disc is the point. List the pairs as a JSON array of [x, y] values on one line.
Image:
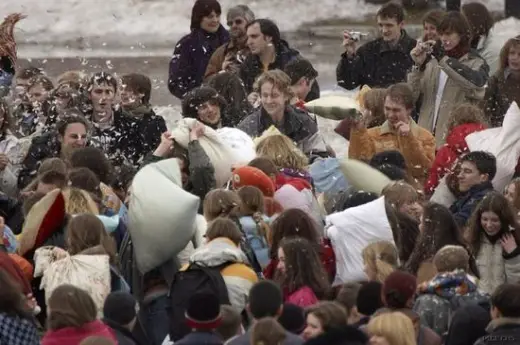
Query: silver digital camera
[[356, 36]]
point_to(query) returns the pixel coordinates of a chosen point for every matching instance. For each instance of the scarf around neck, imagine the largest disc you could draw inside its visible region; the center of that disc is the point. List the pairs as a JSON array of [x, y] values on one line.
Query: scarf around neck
[[458, 52]]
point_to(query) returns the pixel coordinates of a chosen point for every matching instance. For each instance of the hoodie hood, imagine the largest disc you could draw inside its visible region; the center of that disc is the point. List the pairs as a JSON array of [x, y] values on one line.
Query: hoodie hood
[[456, 138], [218, 252]]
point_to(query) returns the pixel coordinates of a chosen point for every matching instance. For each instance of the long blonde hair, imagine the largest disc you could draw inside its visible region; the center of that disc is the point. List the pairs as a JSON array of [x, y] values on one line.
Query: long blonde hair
[[79, 201], [282, 151], [396, 328], [382, 258]]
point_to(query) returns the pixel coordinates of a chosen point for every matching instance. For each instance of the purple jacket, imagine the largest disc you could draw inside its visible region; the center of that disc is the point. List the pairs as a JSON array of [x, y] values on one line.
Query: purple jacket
[[190, 59]]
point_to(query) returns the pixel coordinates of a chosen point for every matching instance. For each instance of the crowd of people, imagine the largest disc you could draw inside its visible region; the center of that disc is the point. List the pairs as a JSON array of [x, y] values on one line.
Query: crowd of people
[[240, 225]]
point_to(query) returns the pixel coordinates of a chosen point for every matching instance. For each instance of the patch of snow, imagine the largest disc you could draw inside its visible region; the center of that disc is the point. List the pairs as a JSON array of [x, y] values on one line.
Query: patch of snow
[[158, 22]]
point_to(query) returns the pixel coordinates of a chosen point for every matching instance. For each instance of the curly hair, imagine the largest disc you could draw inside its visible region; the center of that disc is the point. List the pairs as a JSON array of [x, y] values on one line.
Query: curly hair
[[465, 113]]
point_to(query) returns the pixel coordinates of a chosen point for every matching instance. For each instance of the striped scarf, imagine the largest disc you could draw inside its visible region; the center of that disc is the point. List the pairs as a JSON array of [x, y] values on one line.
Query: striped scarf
[[7, 42]]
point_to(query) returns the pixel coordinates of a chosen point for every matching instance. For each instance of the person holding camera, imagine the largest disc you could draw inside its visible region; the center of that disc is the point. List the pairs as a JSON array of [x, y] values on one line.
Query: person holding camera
[[445, 77], [382, 62]]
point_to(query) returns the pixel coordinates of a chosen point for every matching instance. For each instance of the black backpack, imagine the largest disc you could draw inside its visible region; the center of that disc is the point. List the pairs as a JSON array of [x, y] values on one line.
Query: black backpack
[[197, 278]]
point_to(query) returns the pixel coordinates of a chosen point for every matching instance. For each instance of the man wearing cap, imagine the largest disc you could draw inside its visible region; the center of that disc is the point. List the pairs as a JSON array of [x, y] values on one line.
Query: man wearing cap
[[229, 56], [203, 317]]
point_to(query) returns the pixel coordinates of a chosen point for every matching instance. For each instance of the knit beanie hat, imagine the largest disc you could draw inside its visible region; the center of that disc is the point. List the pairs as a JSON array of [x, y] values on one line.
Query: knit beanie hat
[[292, 318], [398, 288], [120, 307], [393, 172], [392, 157], [203, 311], [197, 97], [251, 176], [369, 298]]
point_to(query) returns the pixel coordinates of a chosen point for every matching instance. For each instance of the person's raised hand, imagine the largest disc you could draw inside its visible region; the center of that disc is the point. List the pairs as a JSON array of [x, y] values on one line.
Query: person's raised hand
[[403, 128], [165, 146], [349, 44], [197, 131]]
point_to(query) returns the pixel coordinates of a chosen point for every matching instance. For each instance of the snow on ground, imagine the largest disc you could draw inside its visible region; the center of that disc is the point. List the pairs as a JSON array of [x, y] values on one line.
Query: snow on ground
[[157, 22]]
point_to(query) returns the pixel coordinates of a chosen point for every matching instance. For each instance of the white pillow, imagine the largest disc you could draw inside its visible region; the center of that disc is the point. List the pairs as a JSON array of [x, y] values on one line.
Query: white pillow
[[363, 177], [241, 145], [161, 215], [442, 194], [334, 107], [503, 143], [350, 231], [219, 153]]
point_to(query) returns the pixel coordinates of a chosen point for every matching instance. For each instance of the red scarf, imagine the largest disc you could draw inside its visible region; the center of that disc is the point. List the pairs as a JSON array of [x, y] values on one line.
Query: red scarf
[[458, 52]]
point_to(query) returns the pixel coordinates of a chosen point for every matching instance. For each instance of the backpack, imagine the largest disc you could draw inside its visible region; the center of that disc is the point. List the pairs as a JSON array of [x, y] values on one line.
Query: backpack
[[460, 301], [197, 278]]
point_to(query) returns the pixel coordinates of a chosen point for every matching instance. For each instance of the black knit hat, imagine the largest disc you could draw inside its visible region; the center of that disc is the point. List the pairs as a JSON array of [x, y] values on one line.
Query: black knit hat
[[203, 311], [369, 298], [197, 97], [292, 318], [388, 157], [120, 307]]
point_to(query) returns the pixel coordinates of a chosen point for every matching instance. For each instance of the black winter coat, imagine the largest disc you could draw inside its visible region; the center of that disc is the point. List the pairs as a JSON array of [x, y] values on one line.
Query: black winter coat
[[252, 68], [376, 64], [121, 142], [42, 147], [149, 127], [123, 336]]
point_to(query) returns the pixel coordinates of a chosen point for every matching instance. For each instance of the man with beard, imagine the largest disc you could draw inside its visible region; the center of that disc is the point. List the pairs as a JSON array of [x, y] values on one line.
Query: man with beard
[[229, 56]]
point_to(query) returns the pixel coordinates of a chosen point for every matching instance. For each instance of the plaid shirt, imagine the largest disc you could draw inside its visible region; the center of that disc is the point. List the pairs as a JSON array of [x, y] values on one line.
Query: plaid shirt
[[17, 331]]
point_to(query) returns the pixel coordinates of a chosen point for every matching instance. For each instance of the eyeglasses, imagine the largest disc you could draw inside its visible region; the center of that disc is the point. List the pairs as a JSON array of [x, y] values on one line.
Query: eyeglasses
[[237, 21]]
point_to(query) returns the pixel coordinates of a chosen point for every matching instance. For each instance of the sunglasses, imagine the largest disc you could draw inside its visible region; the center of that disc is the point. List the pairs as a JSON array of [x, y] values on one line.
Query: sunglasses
[[237, 21]]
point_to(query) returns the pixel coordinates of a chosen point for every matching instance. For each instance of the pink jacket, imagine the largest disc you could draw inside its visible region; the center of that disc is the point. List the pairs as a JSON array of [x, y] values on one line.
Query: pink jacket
[[74, 336], [303, 297]]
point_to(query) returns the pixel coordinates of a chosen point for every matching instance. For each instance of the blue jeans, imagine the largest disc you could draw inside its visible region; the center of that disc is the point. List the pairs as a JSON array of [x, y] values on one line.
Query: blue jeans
[[155, 319]]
